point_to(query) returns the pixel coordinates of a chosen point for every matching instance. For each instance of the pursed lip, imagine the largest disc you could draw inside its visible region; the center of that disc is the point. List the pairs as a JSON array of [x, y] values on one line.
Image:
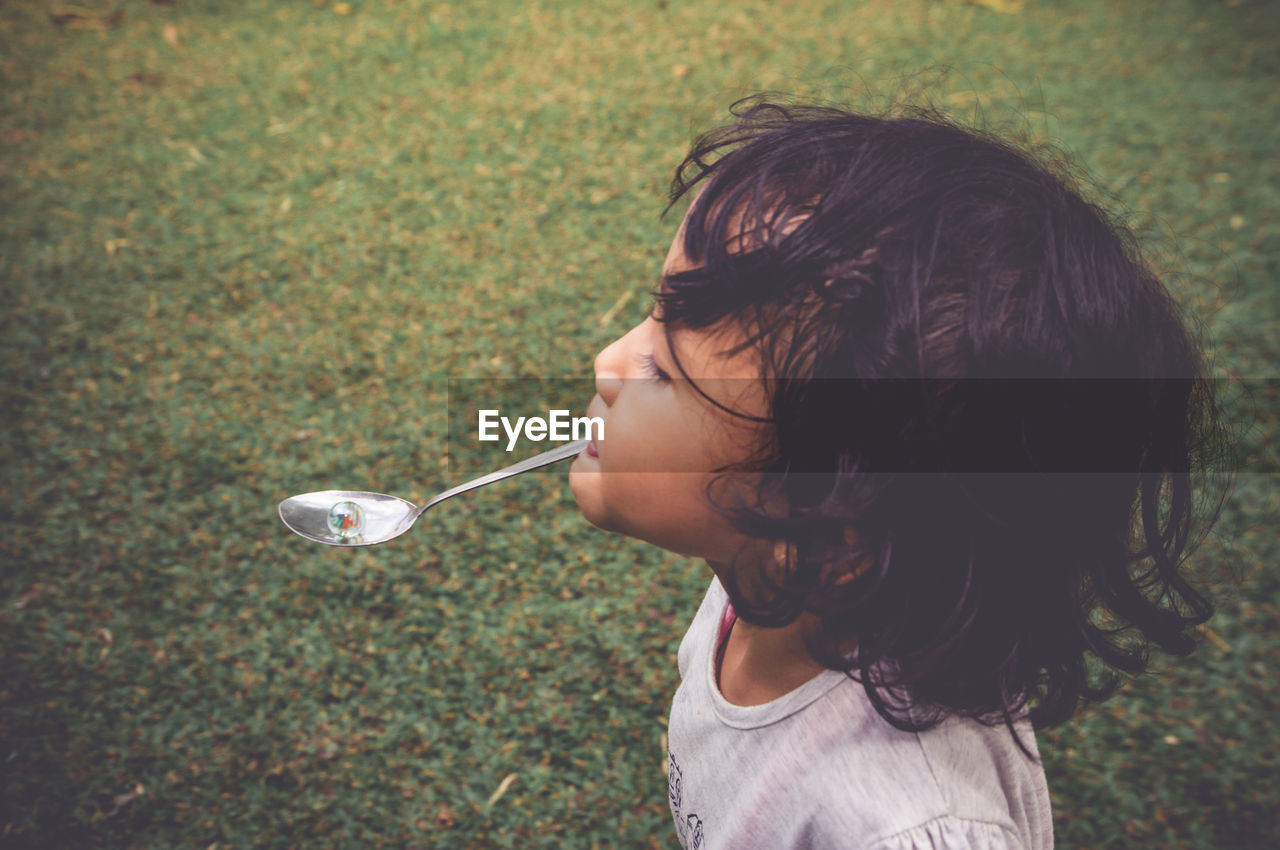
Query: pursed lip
[[596, 408]]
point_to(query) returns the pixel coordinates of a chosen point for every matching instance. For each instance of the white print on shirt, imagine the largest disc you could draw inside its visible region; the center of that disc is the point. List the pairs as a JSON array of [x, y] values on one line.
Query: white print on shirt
[[688, 828]]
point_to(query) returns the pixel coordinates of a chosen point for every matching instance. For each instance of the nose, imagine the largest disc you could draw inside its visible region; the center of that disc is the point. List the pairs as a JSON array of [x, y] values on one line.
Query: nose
[[609, 365], [616, 360]]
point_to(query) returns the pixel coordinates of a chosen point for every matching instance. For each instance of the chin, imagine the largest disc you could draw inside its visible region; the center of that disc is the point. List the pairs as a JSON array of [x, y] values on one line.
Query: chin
[[586, 492]]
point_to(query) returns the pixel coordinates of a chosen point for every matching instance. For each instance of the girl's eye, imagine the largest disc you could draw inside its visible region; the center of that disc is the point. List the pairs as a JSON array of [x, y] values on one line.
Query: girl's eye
[[652, 369]]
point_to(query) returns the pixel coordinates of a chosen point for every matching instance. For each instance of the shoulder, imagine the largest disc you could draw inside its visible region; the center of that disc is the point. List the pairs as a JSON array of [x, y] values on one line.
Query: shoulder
[[952, 833], [959, 785]]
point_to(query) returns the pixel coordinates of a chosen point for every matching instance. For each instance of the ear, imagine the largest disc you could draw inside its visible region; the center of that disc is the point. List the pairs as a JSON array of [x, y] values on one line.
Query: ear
[[851, 540], [784, 554]]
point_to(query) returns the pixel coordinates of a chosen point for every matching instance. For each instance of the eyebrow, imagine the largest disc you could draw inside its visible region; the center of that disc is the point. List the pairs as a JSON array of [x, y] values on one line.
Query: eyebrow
[[653, 311]]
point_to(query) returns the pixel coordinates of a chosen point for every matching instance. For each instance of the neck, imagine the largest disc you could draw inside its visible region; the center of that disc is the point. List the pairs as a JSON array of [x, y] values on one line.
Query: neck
[[762, 664]]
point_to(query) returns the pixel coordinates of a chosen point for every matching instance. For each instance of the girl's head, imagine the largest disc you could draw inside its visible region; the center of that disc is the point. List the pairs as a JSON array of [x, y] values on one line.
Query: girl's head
[[967, 410]]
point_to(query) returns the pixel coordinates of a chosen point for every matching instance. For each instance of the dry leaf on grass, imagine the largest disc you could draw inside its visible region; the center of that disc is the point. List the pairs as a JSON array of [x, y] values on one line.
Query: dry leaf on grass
[[1007, 7], [502, 789], [76, 17]]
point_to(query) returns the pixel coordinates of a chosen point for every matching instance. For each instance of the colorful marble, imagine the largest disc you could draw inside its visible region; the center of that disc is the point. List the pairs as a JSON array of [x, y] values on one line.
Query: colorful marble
[[346, 520]]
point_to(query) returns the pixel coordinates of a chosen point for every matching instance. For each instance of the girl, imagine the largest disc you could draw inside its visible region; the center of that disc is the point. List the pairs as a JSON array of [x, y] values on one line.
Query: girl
[[931, 424]]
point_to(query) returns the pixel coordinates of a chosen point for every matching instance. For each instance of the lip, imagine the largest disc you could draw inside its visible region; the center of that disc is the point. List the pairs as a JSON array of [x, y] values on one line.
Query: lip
[[595, 408]]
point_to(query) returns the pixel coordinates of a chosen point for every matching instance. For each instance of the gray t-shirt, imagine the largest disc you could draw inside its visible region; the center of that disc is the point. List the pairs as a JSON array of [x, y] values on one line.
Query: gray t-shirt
[[819, 768]]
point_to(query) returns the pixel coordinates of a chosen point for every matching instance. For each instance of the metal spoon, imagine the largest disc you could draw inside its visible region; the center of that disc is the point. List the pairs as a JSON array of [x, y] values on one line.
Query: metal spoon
[[387, 517]]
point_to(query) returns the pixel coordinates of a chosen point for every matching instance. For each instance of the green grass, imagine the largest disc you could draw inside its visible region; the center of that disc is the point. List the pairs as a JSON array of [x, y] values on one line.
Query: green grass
[[243, 248]]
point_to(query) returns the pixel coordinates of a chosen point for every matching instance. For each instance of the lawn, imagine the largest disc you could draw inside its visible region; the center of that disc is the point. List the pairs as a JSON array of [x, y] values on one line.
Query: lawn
[[245, 248]]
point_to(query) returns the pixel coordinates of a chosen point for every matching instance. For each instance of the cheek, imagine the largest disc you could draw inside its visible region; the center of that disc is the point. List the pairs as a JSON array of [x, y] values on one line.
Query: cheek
[[640, 438]]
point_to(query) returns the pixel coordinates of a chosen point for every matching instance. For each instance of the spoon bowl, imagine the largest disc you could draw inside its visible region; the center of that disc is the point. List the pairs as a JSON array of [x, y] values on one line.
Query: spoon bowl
[[387, 517], [384, 516]]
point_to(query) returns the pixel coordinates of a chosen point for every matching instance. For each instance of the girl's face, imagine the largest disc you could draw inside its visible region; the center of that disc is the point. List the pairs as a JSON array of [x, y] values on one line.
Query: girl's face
[[663, 440]]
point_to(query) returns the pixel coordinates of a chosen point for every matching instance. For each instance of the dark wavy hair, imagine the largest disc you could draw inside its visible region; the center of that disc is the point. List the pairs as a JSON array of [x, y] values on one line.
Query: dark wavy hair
[[987, 414]]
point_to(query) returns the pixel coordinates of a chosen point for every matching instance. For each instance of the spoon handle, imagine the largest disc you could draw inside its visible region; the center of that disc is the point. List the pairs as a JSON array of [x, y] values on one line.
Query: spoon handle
[[559, 453]]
